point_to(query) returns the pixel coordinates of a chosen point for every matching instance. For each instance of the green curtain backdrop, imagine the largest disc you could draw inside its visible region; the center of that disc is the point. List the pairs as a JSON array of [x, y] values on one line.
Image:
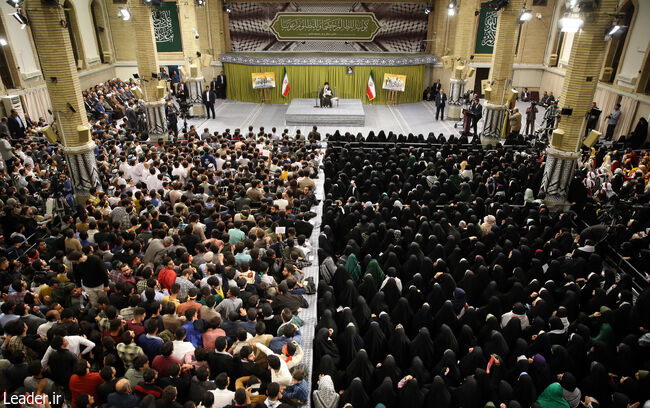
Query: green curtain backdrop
[[167, 29], [304, 82], [486, 30]]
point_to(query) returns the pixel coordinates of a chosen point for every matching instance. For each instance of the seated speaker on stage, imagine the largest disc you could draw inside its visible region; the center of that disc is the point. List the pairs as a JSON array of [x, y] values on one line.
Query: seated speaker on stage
[[325, 96]]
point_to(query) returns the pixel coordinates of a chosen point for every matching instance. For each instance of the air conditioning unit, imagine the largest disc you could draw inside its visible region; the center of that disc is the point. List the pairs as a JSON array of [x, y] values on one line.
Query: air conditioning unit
[[10, 102], [606, 75], [626, 79], [552, 60]]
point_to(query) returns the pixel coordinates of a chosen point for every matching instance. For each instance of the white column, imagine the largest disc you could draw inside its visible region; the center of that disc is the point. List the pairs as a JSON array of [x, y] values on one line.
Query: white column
[[493, 123], [558, 173]]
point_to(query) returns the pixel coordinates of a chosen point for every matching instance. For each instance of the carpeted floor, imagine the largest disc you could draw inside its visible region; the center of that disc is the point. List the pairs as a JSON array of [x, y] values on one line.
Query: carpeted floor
[[404, 118]]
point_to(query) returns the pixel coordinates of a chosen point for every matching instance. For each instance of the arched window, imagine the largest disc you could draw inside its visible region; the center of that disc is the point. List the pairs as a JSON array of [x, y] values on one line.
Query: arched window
[[618, 44], [75, 37], [100, 27]]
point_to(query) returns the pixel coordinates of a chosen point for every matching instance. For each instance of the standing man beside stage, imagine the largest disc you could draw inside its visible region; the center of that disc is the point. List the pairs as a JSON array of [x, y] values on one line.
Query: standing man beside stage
[[221, 86], [208, 101], [531, 114], [477, 113], [435, 89], [441, 101]]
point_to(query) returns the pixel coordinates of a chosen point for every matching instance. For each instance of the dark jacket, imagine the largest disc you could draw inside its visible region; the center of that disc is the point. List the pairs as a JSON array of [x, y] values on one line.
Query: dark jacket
[[208, 97], [220, 362], [441, 99], [477, 110], [16, 128], [92, 272]]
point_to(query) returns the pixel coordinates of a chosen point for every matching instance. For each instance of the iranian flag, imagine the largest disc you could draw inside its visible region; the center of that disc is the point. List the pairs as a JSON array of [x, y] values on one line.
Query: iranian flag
[[370, 89], [285, 84]]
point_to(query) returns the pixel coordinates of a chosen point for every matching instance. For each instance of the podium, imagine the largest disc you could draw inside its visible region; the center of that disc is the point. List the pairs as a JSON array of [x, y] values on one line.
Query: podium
[[467, 122]]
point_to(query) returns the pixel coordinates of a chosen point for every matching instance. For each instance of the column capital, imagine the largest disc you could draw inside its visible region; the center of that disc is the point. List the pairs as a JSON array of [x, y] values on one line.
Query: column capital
[[495, 106], [154, 104], [562, 154], [88, 147]]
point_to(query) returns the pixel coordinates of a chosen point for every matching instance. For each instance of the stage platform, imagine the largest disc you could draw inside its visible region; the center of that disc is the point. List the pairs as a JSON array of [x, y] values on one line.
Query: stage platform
[[348, 112]]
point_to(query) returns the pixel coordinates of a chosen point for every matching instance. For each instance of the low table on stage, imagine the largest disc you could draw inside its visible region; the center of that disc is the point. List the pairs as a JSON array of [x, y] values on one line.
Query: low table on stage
[[345, 112]]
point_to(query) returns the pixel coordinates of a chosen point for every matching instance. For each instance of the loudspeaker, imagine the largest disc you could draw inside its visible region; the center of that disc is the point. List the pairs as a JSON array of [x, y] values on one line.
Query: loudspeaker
[[552, 60], [107, 57], [206, 60], [194, 71], [487, 93], [447, 61], [556, 138], [458, 72], [511, 94], [591, 138], [160, 92], [80, 64], [484, 85], [137, 92], [84, 134], [469, 72], [50, 135], [183, 73]]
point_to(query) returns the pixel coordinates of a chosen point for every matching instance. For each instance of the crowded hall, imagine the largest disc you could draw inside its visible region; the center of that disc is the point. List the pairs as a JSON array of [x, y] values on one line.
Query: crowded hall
[[327, 204]]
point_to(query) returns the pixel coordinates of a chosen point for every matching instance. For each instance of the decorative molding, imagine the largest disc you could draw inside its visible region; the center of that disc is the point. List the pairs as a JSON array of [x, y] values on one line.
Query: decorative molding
[[330, 60], [88, 147]]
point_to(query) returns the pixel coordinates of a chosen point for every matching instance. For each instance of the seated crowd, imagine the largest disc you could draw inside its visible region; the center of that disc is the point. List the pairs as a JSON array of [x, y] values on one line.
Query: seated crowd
[[179, 282], [444, 283]]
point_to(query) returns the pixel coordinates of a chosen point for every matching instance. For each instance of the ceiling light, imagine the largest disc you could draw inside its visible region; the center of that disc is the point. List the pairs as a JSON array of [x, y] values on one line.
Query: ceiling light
[[452, 4], [124, 14], [3, 42], [526, 15], [614, 30], [451, 12], [571, 23], [22, 20], [427, 10]]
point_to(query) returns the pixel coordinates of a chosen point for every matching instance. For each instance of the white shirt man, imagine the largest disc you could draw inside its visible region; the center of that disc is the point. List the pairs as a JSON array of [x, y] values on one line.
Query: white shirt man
[[181, 348]]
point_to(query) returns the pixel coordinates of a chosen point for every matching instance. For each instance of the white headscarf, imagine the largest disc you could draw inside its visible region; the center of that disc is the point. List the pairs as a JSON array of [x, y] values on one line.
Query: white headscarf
[[326, 396]]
